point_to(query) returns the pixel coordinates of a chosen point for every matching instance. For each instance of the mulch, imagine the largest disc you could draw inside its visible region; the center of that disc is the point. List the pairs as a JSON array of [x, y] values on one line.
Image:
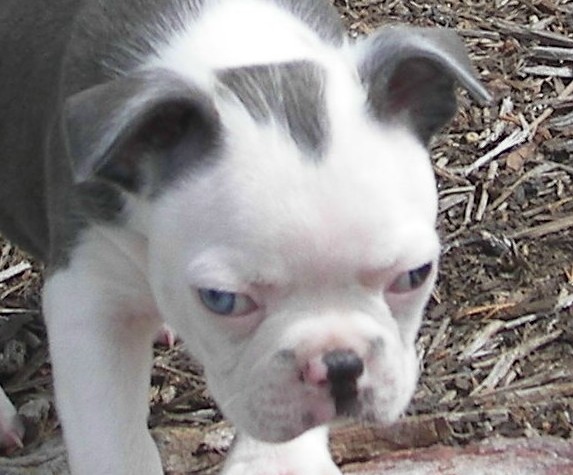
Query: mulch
[[496, 345]]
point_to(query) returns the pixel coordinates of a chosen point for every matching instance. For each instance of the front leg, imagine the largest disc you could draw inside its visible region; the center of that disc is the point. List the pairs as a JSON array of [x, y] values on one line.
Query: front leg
[[101, 350], [306, 455]]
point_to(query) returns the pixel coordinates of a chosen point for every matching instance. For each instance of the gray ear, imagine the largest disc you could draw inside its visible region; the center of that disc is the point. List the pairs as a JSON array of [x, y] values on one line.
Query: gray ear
[[130, 131], [410, 76]]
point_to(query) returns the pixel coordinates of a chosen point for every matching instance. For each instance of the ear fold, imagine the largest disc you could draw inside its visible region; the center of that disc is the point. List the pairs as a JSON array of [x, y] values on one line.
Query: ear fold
[[128, 131], [410, 76]]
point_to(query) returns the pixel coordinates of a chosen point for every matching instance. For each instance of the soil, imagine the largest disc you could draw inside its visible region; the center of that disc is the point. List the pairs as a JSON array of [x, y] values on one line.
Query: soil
[[496, 345]]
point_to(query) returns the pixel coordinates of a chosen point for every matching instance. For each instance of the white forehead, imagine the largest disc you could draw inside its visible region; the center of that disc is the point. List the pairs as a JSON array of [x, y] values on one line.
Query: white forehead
[[368, 177], [370, 201], [233, 34]]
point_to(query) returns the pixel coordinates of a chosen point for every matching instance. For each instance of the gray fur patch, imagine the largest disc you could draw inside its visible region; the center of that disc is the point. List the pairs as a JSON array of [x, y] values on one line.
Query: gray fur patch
[[100, 201], [291, 94], [109, 39]]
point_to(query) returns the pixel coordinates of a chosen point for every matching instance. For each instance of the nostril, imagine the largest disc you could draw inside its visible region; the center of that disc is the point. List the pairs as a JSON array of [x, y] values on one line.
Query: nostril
[[314, 373], [343, 366]]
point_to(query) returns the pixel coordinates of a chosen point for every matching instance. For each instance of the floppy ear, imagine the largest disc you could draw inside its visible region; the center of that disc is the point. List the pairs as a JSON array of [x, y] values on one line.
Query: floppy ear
[[135, 131], [410, 75]]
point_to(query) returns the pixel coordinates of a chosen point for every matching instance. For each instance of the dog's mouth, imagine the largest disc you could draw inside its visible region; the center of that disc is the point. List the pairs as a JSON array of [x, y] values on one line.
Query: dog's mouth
[[349, 399], [346, 402], [287, 418], [353, 408]]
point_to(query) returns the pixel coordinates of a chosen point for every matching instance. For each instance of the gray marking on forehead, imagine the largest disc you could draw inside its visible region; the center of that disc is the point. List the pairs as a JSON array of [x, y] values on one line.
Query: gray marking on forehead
[[290, 94]]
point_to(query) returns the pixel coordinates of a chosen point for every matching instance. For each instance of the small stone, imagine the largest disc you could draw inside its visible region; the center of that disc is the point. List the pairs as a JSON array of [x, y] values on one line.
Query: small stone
[[472, 137]]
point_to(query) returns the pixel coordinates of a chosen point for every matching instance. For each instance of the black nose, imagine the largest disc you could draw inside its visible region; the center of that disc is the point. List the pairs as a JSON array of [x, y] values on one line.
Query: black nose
[[344, 367]]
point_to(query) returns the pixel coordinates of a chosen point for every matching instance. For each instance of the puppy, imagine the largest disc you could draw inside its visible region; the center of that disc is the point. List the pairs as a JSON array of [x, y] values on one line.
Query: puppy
[[242, 171]]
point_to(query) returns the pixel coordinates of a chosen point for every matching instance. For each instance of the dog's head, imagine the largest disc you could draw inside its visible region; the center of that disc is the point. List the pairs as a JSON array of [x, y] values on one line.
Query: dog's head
[[290, 211]]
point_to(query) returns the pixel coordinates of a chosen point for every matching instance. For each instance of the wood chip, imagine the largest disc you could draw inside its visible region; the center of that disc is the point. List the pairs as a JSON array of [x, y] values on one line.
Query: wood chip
[[552, 53], [482, 338], [14, 271], [517, 137], [507, 360], [543, 229], [549, 71]]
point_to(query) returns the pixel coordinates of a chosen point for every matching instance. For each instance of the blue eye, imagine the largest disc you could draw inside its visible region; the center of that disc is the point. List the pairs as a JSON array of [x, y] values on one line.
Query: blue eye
[[411, 280], [226, 303]]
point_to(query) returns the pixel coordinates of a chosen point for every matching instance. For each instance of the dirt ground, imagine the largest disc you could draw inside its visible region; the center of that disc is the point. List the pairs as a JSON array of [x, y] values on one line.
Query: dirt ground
[[496, 346]]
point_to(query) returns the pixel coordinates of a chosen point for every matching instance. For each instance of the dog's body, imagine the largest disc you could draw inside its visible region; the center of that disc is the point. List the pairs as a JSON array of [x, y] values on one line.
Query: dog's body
[[241, 171]]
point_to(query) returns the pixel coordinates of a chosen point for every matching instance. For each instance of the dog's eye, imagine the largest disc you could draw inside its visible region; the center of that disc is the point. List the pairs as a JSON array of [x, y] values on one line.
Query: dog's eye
[[226, 303], [411, 280]]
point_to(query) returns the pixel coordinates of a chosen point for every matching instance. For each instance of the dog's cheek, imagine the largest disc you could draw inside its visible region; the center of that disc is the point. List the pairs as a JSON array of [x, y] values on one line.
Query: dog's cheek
[[408, 313], [257, 389], [239, 328], [393, 375]]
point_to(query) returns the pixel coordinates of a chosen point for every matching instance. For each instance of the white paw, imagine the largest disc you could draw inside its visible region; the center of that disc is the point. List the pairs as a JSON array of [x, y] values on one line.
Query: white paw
[[306, 455], [11, 429]]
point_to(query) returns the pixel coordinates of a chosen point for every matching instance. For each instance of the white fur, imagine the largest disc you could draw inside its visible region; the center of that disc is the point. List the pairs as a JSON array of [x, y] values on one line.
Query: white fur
[[305, 455], [101, 321], [232, 34]]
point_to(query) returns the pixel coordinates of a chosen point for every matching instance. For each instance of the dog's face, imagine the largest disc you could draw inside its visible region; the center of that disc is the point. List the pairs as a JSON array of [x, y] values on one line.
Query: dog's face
[[290, 215], [268, 263]]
